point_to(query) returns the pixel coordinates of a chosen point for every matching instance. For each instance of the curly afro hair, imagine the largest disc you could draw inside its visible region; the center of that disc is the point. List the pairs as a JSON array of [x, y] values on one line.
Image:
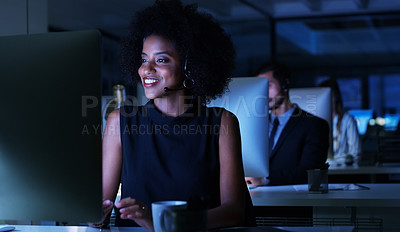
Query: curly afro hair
[[196, 36]]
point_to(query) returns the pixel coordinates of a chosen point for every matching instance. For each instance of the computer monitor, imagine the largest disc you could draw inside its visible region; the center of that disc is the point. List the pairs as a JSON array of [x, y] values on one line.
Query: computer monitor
[[247, 98], [362, 117], [50, 127], [317, 101]]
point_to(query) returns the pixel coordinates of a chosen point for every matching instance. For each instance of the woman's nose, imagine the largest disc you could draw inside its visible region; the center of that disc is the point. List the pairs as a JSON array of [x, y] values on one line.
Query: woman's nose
[[148, 67]]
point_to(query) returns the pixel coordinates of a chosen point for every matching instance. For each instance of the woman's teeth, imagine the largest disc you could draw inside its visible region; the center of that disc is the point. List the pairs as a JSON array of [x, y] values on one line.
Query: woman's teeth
[[150, 81]]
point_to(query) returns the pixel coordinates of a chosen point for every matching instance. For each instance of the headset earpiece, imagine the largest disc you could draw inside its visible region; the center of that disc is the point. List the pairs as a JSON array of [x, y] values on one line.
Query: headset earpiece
[[285, 85], [186, 69]]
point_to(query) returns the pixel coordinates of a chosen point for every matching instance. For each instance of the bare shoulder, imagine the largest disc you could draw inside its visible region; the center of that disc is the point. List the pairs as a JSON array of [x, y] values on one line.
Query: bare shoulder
[[229, 127], [113, 117], [229, 119], [112, 125]]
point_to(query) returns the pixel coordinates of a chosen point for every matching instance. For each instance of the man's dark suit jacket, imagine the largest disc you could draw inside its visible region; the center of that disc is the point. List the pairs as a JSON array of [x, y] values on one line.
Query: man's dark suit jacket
[[302, 145]]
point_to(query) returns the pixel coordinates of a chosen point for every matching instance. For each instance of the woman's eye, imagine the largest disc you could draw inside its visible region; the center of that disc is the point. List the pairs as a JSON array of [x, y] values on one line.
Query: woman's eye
[[144, 61], [162, 60]]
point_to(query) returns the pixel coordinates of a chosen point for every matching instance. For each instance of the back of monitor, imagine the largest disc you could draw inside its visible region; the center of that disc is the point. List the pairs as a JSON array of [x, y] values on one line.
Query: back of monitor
[[50, 127], [247, 98]]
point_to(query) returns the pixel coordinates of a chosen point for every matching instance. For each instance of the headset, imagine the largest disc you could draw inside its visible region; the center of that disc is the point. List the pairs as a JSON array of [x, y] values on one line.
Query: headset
[[188, 83], [285, 84], [186, 69]]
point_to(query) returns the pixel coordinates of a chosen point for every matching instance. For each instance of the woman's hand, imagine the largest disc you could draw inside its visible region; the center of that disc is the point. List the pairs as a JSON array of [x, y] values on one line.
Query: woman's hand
[[107, 208], [132, 209], [256, 181]]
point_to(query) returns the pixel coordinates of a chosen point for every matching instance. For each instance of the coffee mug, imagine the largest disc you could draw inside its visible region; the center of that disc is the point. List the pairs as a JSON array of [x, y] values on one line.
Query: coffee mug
[[158, 211]]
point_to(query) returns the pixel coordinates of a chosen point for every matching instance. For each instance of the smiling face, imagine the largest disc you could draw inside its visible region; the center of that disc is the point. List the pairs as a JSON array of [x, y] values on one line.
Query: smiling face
[[161, 67]]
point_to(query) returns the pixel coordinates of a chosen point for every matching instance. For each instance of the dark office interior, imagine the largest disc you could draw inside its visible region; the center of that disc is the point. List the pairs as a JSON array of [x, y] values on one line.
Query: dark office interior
[[356, 42]]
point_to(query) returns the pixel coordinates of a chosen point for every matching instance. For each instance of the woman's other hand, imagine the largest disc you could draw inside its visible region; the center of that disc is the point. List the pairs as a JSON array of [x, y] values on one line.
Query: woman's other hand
[[107, 208], [256, 181], [132, 209]]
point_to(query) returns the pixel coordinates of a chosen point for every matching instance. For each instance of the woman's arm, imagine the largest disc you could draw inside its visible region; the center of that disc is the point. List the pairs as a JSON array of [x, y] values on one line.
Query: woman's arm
[[112, 164], [231, 212], [112, 161]]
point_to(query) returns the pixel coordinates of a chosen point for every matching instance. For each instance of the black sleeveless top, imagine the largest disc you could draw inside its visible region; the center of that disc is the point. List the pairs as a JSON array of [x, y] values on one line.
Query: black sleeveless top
[[169, 158]]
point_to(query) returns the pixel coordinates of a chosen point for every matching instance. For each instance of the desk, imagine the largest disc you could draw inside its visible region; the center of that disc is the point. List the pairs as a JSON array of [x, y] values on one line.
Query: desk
[[29, 228], [33, 228], [364, 174], [362, 170], [381, 201]]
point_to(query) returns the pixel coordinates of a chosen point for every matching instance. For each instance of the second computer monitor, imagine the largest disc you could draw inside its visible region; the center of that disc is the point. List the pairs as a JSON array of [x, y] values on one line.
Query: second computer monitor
[[247, 98]]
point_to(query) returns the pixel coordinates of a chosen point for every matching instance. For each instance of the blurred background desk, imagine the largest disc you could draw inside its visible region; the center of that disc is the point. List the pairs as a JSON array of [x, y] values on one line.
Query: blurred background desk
[[360, 170], [364, 174], [374, 209]]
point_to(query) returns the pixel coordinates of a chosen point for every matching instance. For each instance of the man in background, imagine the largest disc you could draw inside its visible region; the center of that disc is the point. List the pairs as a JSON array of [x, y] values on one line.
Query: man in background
[[298, 140]]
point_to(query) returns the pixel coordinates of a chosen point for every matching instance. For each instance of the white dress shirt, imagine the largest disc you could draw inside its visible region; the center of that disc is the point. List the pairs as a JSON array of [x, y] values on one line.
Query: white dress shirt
[[348, 143]]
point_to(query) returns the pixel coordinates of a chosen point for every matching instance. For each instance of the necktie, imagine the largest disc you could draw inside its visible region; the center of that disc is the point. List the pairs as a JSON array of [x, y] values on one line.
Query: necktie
[[272, 135]]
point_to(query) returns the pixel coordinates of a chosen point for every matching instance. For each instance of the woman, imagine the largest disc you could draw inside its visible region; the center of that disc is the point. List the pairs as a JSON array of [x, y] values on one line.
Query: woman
[[175, 148], [346, 140]]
